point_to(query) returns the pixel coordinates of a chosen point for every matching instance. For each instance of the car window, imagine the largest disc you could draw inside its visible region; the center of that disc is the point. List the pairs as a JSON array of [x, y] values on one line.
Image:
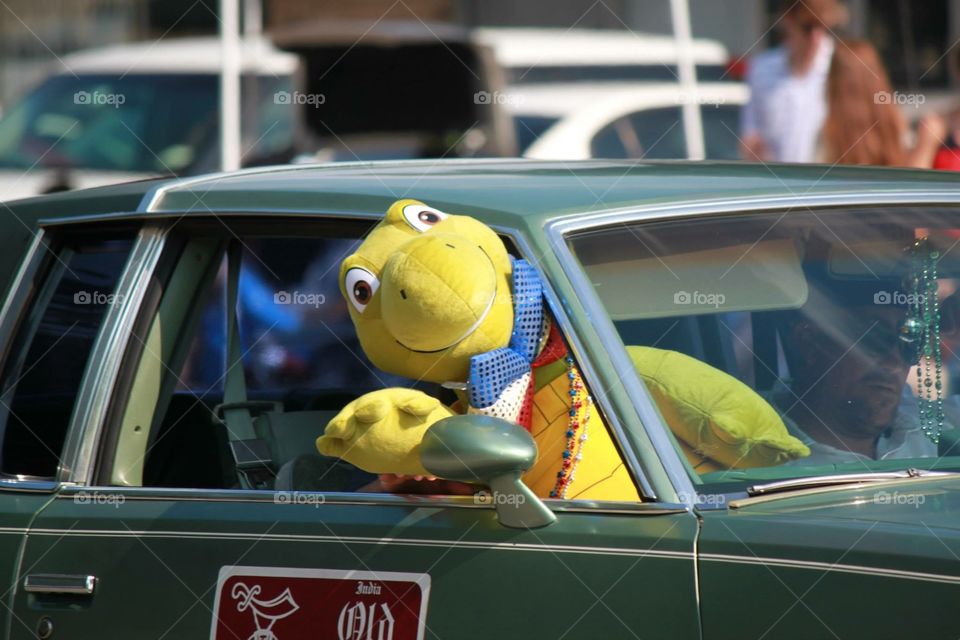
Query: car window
[[301, 361], [302, 364], [46, 364], [833, 332], [660, 133], [136, 122], [529, 128], [720, 125], [609, 141], [656, 134]]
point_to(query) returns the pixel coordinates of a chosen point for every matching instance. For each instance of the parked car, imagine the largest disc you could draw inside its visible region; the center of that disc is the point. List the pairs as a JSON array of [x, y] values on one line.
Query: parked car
[[575, 122], [121, 504], [132, 111]]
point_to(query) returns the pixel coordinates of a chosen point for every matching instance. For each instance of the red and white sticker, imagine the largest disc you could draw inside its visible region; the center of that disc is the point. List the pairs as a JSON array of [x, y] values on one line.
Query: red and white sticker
[[274, 603]]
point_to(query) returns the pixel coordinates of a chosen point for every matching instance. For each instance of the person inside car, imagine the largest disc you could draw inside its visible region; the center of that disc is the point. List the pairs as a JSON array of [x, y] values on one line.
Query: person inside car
[[849, 353]]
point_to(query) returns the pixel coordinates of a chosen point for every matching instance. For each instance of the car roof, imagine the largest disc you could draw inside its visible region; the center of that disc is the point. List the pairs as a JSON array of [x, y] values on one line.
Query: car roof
[[508, 192], [177, 55], [525, 47], [562, 99]]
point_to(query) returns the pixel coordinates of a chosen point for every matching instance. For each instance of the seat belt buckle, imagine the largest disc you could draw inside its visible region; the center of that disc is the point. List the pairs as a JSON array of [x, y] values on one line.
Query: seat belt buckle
[[254, 462]]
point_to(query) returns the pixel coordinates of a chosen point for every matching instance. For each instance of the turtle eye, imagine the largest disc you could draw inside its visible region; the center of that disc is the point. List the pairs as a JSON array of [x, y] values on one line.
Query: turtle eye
[[422, 217], [360, 285]]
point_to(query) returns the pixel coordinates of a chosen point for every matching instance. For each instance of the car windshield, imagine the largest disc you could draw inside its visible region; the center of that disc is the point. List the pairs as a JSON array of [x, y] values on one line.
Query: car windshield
[[790, 345], [154, 123], [529, 128]]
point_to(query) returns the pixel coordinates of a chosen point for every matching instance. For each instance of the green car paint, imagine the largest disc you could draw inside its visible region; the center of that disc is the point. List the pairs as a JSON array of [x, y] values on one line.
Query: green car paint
[[833, 562]]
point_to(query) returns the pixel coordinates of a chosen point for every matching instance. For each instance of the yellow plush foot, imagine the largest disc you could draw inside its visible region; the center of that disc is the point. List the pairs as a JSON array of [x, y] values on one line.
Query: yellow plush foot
[[380, 432]]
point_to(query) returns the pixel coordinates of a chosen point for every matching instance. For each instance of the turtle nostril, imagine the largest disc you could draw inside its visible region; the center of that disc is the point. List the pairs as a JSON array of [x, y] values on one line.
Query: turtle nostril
[[403, 294]]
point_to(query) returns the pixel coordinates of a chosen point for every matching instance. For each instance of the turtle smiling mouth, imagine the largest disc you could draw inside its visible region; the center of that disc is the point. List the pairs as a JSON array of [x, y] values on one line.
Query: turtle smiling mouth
[[473, 327]]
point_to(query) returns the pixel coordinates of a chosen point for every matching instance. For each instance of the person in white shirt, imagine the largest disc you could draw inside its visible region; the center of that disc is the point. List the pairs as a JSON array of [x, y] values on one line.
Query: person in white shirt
[[787, 106]]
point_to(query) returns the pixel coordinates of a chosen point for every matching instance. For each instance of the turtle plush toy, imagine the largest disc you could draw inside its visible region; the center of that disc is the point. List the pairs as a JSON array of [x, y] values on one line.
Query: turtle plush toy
[[437, 297]]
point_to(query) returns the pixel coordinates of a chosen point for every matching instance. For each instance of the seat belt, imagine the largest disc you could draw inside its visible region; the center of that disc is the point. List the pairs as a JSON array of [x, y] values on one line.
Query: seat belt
[[251, 454]]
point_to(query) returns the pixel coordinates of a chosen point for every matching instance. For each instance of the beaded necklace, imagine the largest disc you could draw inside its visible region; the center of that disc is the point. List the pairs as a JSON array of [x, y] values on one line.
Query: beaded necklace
[[924, 325], [573, 451]]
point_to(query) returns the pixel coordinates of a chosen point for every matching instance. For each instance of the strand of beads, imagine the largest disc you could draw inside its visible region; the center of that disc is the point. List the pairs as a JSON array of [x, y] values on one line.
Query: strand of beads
[[929, 383], [576, 432]]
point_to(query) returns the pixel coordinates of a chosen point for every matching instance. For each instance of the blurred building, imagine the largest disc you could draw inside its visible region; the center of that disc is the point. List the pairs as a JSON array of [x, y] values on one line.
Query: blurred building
[[912, 35]]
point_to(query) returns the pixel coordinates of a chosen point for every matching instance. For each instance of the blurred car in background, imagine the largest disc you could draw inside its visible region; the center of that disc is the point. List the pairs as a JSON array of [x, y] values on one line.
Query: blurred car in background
[[139, 110], [576, 121], [398, 89], [534, 56]]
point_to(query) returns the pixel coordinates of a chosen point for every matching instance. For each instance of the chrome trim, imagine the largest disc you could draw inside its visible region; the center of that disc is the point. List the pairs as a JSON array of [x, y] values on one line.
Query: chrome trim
[[157, 494], [814, 482], [643, 213], [155, 194], [17, 300], [120, 216], [60, 583], [904, 483], [558, 230], [28, 485], [99, 380], [611, 417]]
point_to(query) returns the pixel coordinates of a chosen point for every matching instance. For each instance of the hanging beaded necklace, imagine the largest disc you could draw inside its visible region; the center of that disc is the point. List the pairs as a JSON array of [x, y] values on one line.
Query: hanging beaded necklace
[[923, 326], [576, 432]]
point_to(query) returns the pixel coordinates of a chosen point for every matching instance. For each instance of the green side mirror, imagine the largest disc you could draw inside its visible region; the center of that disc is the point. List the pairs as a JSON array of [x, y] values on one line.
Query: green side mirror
[[490, 451]]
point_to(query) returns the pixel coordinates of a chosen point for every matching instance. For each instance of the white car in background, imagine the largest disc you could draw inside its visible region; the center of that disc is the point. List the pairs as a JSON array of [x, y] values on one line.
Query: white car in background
[[537, 56], [133, 111], [580, 121]]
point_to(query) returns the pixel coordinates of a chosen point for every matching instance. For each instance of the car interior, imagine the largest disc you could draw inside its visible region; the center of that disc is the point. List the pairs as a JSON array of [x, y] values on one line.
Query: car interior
[[720, 291]]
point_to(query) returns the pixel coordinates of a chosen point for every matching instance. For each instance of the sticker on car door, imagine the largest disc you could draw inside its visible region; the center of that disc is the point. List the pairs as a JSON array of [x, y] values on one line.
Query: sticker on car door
[[275, 603]]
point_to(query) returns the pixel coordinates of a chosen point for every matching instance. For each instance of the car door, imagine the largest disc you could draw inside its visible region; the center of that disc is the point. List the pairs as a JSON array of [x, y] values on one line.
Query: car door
[[48, 326], [171, 544]]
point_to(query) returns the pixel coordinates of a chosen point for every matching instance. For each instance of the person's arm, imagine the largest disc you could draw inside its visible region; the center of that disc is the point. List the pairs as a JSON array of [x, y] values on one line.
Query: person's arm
[[931, 132], [752, 146]]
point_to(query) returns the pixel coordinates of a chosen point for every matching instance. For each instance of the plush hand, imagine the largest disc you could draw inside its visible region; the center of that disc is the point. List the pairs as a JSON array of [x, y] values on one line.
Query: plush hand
[[380, 432]]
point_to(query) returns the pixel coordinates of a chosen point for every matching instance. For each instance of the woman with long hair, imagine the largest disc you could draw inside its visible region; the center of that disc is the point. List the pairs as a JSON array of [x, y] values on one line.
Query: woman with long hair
[[864, 124]]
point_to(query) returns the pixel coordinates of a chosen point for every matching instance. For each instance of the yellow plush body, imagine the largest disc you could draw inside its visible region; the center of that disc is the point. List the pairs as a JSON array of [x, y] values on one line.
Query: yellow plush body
[[428, 291], [602, 474]]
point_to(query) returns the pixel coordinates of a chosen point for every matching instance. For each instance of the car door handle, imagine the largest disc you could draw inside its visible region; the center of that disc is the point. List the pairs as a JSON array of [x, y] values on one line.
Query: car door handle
[[59, 583]]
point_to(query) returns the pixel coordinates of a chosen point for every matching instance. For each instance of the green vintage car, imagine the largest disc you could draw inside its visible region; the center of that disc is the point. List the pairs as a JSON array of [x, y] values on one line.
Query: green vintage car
[[127, 510]]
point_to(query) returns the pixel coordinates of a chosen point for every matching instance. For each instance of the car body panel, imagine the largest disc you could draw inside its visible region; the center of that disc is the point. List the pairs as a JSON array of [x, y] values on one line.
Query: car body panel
[[180, 540], [848, 562], [858, 563]]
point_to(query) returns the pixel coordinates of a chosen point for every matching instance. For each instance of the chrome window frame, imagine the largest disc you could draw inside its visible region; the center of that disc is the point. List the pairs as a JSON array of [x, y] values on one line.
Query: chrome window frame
[[97, 387], [559, 231]]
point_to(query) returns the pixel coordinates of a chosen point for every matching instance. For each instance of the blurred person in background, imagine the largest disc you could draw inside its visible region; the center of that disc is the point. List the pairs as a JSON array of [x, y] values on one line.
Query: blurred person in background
[[787, 84], [864, 123], [948, 156]]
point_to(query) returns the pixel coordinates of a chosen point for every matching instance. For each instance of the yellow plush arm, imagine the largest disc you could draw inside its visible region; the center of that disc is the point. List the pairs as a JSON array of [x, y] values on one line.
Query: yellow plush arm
[[721, 423], [380, 432]]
